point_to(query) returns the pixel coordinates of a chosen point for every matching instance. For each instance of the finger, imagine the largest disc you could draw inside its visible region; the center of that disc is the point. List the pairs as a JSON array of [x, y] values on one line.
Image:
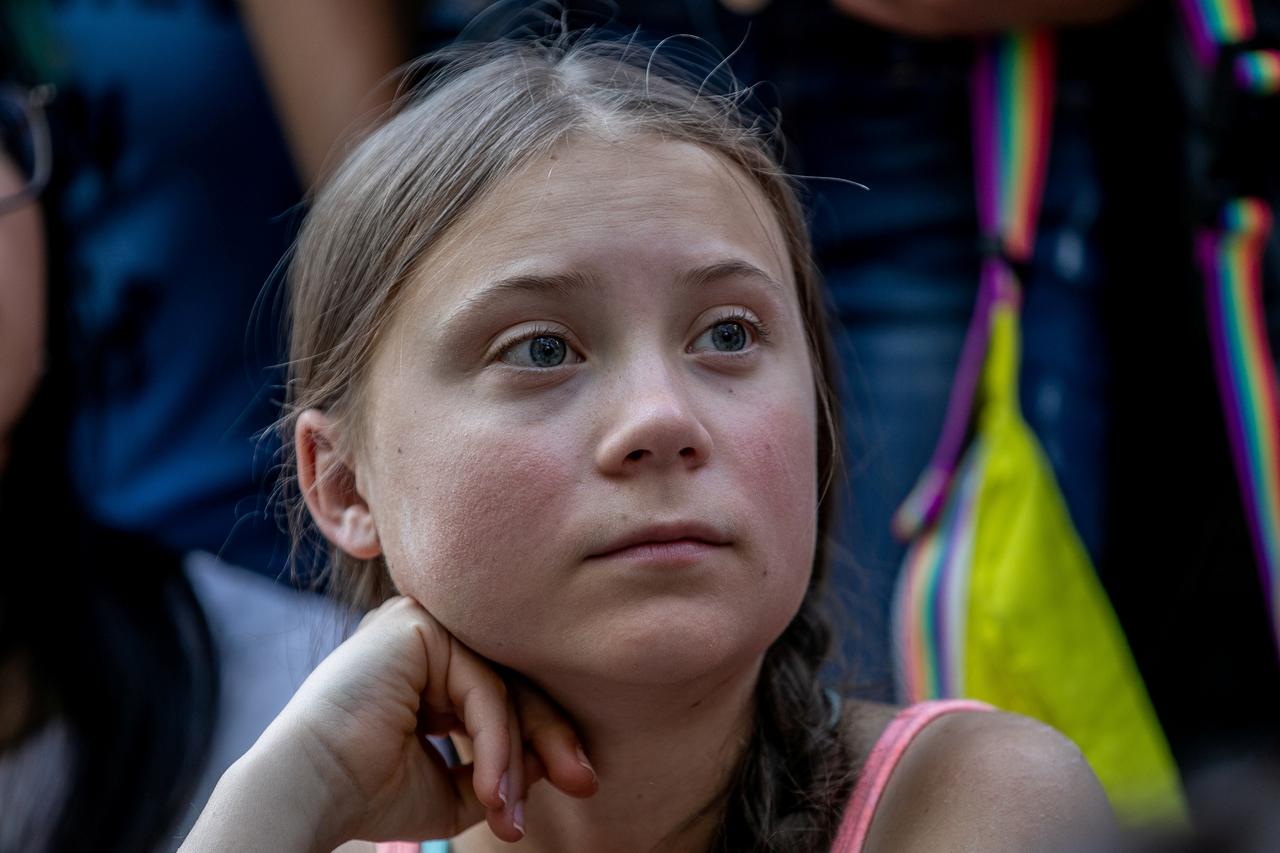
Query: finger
[[508, 823], [464, 808], [461, 686], [479, 698], [464, 685], [555, 743], [468, 810], [534, 769]]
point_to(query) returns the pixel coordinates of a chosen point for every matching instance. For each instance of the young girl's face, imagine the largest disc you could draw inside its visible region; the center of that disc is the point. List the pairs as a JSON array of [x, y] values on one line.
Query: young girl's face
[[590, 431]]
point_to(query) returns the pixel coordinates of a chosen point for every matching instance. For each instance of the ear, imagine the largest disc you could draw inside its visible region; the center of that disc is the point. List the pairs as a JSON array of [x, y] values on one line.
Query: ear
[[328, 485]]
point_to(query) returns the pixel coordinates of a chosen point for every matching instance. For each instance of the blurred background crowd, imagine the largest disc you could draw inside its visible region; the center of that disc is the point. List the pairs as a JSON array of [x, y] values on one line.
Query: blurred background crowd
[[155, 164]]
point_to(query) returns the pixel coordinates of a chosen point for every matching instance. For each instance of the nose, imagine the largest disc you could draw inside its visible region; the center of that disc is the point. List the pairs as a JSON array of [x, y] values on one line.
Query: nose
[[654, 426]]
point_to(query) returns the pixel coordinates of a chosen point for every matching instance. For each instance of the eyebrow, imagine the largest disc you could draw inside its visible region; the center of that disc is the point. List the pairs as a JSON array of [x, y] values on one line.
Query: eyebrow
[[554, 284], [729, 268], [565, 284]]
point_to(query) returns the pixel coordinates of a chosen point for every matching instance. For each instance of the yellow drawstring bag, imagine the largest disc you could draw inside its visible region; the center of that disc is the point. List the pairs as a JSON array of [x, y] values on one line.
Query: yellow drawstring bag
[[997, 599]]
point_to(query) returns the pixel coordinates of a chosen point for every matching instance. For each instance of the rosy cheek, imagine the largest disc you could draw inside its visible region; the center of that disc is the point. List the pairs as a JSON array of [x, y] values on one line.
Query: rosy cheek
[[779, 442], [783, 448], [777, 452], [475, 521]]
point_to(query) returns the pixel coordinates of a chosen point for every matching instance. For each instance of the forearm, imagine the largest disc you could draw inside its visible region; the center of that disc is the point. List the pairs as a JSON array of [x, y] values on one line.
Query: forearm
[[326, 64], [268, 802], [941, 18]]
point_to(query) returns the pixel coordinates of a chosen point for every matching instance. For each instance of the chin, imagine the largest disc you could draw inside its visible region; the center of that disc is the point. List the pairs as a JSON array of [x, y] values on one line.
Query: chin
[[673, 644]]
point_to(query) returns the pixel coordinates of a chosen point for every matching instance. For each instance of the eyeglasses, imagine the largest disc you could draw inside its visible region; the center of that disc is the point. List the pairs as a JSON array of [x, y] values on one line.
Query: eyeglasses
[[24, 139]]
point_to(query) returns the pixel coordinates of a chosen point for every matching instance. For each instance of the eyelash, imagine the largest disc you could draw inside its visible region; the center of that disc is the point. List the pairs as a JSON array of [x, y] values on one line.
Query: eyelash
[[759, 329], [528, 335]]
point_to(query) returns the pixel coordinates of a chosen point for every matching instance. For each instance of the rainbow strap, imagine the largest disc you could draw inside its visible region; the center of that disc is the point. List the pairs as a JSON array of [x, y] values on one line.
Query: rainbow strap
[[1258, 71], [1229, 253], [1217, 22], [1213, 23], [1230, 258], [934, 596], [1012, 95]]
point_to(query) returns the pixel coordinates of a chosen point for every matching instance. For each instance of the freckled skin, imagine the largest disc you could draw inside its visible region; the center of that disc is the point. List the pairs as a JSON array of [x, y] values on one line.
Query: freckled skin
[[508, 482]]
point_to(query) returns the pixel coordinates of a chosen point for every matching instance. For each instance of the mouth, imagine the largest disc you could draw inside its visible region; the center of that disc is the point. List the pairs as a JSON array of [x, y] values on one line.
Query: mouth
[[673, 541]]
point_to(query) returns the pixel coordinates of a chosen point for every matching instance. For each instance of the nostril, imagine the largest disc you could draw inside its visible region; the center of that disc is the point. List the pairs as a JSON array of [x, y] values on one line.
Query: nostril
[[686, 452], [635, 455]]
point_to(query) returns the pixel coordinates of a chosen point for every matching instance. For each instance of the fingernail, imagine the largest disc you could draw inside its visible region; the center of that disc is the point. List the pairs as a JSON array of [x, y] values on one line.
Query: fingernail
[[517, 817], [582, 759], [502, 788]]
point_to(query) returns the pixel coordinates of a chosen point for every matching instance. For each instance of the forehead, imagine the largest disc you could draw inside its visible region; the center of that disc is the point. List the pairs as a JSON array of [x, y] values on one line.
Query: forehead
[[610, 209]]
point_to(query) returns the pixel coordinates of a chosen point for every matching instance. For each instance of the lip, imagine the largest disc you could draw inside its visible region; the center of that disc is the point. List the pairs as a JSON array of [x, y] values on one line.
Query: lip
[[677, 539]]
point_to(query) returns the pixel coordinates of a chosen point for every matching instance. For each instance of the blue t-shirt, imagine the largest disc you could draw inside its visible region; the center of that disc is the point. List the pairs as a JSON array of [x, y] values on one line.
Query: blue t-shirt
[[174, 199]]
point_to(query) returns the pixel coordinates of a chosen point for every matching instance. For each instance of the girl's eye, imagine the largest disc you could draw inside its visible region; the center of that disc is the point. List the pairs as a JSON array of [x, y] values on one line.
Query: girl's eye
[[540, 351], [729, 335]]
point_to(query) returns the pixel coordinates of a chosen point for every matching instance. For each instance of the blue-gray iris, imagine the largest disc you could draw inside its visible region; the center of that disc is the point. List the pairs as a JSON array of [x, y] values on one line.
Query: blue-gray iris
[[729, 337], [546, 351]]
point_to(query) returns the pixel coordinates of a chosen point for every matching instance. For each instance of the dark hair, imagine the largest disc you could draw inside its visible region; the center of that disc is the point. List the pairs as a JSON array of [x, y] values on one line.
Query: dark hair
[[104, 633], [487, 110], [104, 649]]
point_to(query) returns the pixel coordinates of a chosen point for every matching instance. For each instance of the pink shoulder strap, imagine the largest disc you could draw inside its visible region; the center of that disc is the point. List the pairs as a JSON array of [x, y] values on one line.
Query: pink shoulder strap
[[884, 757]]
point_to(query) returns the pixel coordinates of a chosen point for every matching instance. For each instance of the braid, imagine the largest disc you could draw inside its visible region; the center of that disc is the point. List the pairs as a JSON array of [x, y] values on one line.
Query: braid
[[792, 783]]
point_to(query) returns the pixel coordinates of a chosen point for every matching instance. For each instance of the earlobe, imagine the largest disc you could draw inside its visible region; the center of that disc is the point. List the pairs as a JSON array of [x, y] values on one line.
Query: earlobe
[[328, 485]]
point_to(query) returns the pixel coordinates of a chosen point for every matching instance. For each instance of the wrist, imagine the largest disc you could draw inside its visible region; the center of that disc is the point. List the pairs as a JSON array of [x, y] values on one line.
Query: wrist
[[305, 778], [271, 799]]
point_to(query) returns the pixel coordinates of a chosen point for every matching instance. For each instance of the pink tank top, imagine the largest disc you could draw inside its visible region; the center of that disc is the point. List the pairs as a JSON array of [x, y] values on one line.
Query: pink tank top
[[885, 755]]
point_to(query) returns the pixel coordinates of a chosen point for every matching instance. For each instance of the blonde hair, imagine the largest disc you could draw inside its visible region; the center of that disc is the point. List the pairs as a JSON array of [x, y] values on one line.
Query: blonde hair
[[491, 110], [486, 112]]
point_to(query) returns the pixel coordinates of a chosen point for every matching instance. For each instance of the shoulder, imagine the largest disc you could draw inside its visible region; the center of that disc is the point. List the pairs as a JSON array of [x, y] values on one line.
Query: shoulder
[[864, 722], [990, 781]]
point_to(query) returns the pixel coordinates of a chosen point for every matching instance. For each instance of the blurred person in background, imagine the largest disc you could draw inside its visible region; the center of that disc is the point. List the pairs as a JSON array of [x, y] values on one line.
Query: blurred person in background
[[168, 644], [107, 669]]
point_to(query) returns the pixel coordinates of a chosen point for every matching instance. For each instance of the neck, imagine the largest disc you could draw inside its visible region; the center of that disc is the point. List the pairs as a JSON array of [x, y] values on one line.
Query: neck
[[663, 756]]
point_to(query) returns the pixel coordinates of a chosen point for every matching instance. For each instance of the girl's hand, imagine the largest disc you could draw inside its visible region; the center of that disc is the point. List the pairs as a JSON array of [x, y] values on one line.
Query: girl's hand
[[353, 742]]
